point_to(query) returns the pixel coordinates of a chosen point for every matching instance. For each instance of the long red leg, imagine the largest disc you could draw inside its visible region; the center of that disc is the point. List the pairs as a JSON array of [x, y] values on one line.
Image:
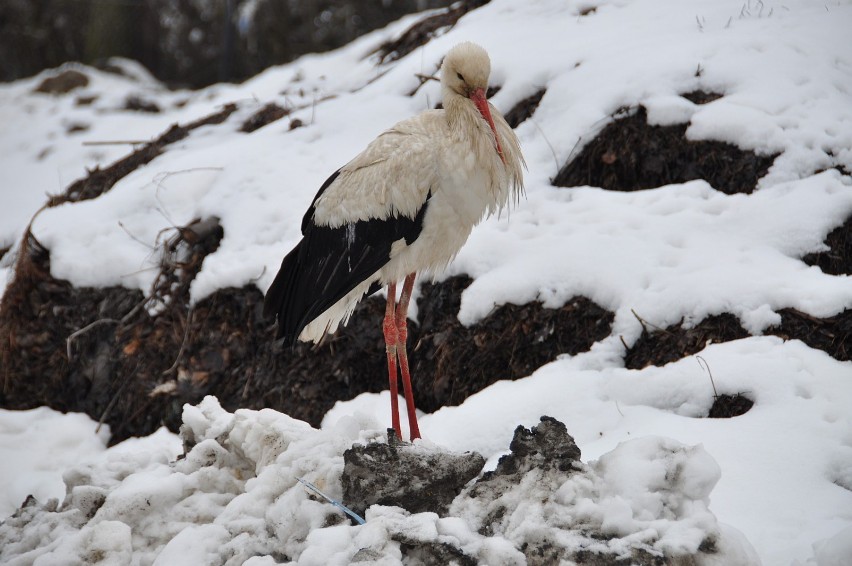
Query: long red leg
[[391, 339], [402, 336]]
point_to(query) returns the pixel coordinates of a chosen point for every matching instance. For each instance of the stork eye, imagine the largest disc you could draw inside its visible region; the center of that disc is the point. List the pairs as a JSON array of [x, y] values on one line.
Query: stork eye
[[459, 75]]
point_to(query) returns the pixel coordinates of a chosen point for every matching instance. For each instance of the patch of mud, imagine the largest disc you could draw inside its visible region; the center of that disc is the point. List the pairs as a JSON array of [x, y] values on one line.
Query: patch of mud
[[657, 346], [832, 335], [423, 30], [63, 83], [728, 406], [524, 109], [76, 128], [837, 260], [450, 362], [630, 155], [136, 103], [701, 96], [85, 100], [266, 115]]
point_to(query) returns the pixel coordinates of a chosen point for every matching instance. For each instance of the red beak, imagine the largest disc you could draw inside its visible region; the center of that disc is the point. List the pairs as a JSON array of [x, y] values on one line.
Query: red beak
[[478, 98]]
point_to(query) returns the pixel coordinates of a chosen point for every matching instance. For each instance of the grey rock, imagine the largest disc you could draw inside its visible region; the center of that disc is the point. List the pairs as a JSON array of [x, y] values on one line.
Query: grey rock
[[412, 477]]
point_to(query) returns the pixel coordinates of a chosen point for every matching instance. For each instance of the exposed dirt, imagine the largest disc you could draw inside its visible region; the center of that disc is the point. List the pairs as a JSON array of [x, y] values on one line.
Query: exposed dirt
[[134, 370], [266, 115], [138, 104], [452, 362], [838, 259], [701, 96], [630, 155], [658, 346], [524, 109], [729, 406], [424, 30], [832, 335], [62, 83]]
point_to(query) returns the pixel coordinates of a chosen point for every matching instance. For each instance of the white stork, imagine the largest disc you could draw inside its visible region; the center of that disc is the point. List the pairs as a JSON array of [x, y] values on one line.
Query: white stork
[[405, 205]]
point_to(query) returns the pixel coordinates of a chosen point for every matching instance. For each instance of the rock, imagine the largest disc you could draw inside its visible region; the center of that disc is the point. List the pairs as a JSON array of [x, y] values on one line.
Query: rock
[[545, 446], [415, 478]]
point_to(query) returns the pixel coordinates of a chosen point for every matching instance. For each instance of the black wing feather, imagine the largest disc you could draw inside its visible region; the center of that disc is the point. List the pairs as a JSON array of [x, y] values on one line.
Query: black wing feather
[[329, 262], [309, 215]]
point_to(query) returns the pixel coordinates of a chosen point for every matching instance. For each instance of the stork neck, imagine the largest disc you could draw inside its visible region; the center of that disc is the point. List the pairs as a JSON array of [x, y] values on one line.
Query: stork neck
[[467, 122]]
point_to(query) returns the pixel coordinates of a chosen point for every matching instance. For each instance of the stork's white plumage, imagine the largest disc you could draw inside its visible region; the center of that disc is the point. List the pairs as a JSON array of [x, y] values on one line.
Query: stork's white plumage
[[405, 205]]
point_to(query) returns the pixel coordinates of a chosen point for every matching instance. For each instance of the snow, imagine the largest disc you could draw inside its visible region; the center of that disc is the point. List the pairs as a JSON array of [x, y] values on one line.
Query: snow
[[236, 496], [780, 474]]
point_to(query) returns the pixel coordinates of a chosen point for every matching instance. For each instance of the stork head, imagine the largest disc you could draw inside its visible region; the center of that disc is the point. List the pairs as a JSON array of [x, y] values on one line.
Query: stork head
[[465, 73], [465, 69]]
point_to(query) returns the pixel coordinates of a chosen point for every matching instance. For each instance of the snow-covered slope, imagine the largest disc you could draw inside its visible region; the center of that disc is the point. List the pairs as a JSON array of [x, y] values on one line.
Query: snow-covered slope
[[671, 253]]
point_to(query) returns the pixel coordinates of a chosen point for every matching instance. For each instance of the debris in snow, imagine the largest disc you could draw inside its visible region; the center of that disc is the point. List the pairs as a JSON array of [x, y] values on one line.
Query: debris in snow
[[644, 503], [236, 494]]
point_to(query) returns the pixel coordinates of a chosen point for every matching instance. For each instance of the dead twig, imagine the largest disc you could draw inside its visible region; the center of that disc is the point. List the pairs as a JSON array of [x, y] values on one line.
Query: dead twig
[[117, 142], [85, 329], [187, 326], [115, 397], [706, 367]]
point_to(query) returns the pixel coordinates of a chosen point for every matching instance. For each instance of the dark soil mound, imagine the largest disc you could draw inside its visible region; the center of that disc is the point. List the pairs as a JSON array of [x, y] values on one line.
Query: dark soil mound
[[266, 115], [701, 96], [728, 406], [524, 109], [630, 155], [424, 30], [452, 362], [832, 335], [101, 351], [838, 259], [64, 82], [657, 346], [139, 104]]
